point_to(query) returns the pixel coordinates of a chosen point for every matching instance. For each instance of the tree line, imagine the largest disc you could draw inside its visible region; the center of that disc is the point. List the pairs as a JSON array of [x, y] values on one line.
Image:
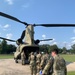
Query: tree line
[[6, 48], [9, 48], [64, 50]]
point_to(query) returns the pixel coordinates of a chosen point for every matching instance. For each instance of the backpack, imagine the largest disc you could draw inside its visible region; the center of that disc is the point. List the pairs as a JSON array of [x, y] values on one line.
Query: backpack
[[60, 63]]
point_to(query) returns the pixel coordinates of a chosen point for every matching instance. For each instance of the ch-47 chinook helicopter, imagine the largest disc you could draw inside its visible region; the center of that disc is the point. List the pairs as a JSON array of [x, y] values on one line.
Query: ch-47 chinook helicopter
[[30, 45]]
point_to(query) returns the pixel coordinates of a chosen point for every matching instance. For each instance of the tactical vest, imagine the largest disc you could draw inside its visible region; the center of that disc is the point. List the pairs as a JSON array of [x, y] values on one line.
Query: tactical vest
[[59, 66]]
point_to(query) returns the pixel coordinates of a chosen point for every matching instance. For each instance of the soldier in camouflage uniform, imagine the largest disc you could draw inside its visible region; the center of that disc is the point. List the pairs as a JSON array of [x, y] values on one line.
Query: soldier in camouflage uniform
[[38, 61], [32, 60], [44, 60], [57, 65], [17, 54]]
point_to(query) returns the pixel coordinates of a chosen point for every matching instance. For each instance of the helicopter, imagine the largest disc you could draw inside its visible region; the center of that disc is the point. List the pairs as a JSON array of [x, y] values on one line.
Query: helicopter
[[29, 45]]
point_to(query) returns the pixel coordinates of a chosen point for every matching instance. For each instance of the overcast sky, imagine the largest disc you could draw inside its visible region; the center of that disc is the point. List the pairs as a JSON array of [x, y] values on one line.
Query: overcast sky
[[40, 11]]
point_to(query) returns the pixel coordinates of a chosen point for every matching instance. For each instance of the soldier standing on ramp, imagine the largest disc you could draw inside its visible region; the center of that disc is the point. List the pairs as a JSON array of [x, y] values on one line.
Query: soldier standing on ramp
[[57, 65], [32, 60]]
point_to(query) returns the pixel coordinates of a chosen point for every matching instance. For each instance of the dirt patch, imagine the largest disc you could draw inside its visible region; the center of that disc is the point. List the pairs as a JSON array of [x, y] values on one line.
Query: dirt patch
[[9, 67], [71, 67]]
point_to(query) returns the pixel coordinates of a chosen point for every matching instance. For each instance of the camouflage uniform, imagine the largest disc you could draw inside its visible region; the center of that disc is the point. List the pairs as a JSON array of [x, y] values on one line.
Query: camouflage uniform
[[32, 64], [38, 61], [17, 53], [58, 64], [44, 61]]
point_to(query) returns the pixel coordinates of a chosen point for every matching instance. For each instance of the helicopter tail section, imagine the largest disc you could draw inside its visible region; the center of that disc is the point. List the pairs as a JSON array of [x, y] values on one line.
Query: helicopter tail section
[[29, 35]]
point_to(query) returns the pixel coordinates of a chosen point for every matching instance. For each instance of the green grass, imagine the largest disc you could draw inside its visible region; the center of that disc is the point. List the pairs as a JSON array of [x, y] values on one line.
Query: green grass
[[6, 56], [69, 58], [71, 73]]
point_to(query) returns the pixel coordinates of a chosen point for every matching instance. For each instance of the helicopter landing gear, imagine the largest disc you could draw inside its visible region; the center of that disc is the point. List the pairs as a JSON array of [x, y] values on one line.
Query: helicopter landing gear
[[16, 61], [23, 58]]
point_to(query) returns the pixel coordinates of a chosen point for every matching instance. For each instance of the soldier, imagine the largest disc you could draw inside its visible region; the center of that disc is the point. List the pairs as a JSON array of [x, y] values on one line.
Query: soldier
[[44, 60], [38, 61], [32, 60], [57, 65], [17, 54]]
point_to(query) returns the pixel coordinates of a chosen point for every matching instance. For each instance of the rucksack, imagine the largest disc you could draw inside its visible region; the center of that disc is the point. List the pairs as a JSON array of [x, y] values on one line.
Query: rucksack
[[60, 63]]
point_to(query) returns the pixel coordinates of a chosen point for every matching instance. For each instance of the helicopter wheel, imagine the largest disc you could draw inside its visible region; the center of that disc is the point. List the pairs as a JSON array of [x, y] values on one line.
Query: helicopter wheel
[[16, 61]]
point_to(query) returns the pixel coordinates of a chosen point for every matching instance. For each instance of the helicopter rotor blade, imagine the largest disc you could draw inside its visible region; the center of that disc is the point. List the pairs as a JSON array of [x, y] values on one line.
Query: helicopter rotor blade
[[12, 18], [38, 41], [7, 39], [46, 40], [55, 25]]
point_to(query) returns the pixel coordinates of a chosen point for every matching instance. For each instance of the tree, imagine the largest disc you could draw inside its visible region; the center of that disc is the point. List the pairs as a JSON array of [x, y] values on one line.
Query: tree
[[53, 47], [44, 48], [11, 48], [64, 50], [47, 47], [4, 47], [0, 49], [60, 50], [73, 48]]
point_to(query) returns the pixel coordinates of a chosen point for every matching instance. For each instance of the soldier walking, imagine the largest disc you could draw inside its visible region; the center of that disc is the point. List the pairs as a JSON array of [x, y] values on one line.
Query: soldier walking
[[32, 60], [56, 65], [44, 60], [38, 61]]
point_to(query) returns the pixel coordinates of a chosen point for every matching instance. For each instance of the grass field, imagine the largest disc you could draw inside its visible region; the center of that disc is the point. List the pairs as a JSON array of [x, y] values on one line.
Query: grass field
[[6, 56], [69, 58], [71, 73]]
